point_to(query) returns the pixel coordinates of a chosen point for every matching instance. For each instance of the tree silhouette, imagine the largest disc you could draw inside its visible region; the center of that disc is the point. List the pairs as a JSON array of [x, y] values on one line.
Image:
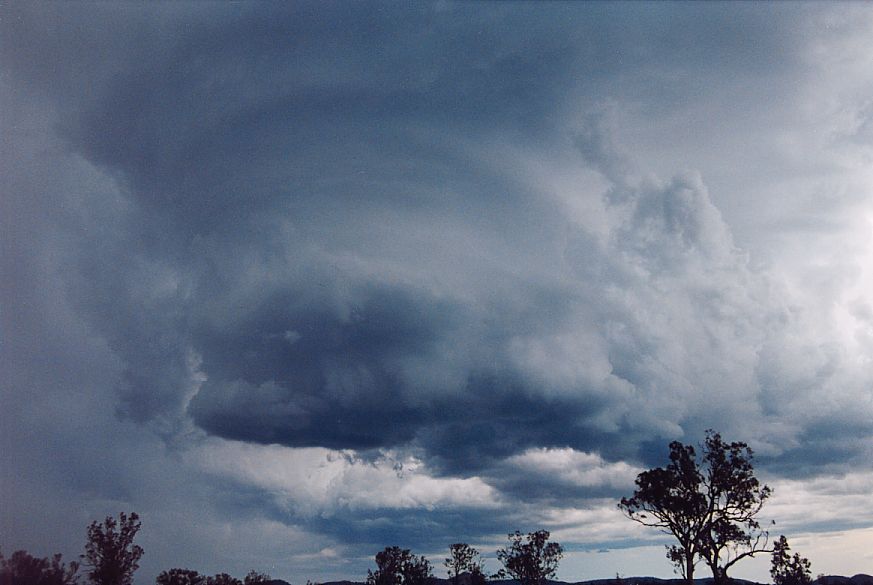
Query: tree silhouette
[[396, 566], [786, 569], [223, 579], [256, 578], [180, 577], [189, 577], [709, 506], [110, 553], [464, 559], [24, 569], [530, 562]]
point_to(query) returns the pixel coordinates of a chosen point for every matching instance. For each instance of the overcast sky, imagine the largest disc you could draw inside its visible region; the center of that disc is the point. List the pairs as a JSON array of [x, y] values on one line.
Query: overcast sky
[[299, 281]]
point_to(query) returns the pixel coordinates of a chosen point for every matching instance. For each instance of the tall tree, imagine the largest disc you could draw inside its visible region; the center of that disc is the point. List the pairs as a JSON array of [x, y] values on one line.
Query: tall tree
[[710, 506], [672, 499], [396, 566], [464, 559], [24, 569], [110, 554], [786, 569], [531, 559]]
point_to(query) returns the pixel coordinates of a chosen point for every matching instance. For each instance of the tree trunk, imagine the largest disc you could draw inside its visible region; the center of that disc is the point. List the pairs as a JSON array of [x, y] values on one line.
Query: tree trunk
[[719, 576]]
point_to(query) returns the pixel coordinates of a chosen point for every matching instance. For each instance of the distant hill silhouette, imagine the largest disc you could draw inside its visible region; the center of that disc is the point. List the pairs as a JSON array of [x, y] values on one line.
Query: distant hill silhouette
[[860, 579]]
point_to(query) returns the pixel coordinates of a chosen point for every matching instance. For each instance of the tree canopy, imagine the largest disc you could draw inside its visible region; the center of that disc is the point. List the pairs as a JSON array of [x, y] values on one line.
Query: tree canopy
[[110, 554], [24, 569], [256, 578], [532, 558], [180, 577], [710, 505], [396, 566], [223, 579], [464, 559], [786, 569]]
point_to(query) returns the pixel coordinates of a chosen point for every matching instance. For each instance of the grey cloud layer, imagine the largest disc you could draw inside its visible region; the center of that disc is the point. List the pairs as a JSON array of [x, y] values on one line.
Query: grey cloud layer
[[317, 230], [321, 227]]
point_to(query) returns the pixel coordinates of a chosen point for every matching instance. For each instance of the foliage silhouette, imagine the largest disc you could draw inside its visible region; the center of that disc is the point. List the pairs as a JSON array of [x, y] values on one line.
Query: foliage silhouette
[[24, 569], [256, 578], [396, 566], [530, 562], [464, 559], [223, 579], [190, 577], [180, 577], [786, 569], [709, 506], [110, 554]]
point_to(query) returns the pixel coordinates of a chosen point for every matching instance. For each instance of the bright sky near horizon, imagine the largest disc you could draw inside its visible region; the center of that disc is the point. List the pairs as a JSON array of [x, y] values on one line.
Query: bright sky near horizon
[[299, 281]]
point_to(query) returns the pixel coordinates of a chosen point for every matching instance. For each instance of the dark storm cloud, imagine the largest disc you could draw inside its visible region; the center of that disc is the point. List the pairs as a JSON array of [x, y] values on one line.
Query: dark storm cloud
[[286, 100], [240, 160], [418, 529], [298, 375], [301, 375], [260, 147], [320, 225]]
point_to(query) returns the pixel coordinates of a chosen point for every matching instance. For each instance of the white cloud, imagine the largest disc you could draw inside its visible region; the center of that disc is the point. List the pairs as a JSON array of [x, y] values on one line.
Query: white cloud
[[318, 481], [573, 467], [818, 502]]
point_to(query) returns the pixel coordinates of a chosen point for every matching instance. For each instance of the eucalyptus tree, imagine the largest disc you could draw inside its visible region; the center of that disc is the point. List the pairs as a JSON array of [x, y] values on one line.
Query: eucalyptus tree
[[709, 505], [531, 559], [786, 569], [397, 566], [464, 559]]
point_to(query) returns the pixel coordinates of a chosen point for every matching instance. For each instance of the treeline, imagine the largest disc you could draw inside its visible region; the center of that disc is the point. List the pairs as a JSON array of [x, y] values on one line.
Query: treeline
[[110, 558], [709, 504], [530, 559]]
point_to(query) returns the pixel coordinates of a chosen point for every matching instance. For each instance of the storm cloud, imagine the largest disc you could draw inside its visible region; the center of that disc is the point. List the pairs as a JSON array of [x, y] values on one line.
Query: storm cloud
[[494, 256]]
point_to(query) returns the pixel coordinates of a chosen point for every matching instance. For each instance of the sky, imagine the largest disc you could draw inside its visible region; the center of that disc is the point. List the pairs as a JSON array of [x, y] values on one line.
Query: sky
[[299, 281]]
